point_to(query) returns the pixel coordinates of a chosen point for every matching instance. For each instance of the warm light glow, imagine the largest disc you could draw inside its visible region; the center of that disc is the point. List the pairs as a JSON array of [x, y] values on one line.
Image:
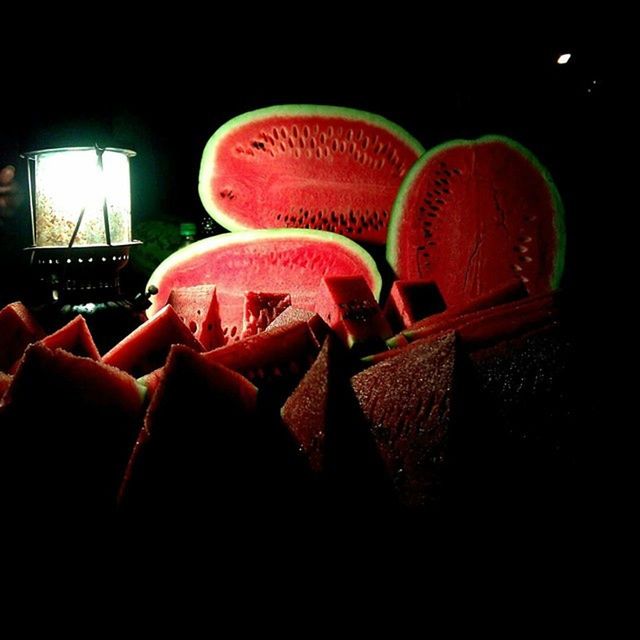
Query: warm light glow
[[564, 58], [68, 181]]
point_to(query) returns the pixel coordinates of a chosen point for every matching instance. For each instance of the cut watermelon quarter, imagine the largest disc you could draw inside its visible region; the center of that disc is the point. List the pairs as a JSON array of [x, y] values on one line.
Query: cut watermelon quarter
[[472, 215], [291, 260], [306, 166]]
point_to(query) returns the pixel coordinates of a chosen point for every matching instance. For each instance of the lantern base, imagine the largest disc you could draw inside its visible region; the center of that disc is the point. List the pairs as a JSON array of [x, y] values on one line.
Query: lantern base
[[72, 275], [85, 281]]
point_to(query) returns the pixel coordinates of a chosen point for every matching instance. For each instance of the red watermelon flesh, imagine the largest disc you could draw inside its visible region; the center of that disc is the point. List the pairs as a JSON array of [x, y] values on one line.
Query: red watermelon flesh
[[349, 308], [486, 326], [261, 309], [291, 260], [282, 353], [198, 308], [191, 451], [518, 312], [472, 215], [306, 411], [509, 292], [407, 403], [294, 314], [18, 328], [147, 347], [306, 166], [75, 338], [411, 300], [268, 358]]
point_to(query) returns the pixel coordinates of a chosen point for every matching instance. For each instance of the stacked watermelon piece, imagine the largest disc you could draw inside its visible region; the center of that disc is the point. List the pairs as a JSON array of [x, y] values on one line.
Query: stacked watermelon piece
[[268, 377]]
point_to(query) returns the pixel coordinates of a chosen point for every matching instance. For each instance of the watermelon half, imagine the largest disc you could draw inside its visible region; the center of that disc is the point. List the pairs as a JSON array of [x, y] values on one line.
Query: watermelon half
[[474, 215], [306, 166], [287, 260]]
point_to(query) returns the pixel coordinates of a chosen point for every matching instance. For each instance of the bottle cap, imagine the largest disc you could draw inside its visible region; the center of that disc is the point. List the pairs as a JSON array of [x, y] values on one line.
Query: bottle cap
[[188, 229]]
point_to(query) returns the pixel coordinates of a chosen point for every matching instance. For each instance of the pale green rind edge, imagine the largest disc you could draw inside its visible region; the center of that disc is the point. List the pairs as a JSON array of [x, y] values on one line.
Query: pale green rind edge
[[207, 164], [558, 220], [255, 235]]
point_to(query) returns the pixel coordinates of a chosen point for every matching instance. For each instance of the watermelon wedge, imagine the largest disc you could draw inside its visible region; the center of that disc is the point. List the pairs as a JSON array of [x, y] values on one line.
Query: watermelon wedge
[[410, 417], [18, 328], [287, 260], [306, 166], [75, 338], [472, 215], [197, 307], [69, 424], [147, 348]]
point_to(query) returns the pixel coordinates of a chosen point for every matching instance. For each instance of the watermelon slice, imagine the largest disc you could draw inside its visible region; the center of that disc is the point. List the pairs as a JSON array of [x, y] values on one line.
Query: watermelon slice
[[472, 215], [260, 309], [269, 359], [198, 308], [75, 338], [306, 411], [411, 300], [480, 328], [293, 314], [535, 415], [306, 166], [18, 328], [192, 451], [292, 260], [147, 348], [407, 403], [69, 424], [349, 308]]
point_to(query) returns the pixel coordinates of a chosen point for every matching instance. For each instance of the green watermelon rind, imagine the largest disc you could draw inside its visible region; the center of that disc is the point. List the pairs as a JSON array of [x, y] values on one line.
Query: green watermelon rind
[[244, 237], [395, 218], [207, 164]]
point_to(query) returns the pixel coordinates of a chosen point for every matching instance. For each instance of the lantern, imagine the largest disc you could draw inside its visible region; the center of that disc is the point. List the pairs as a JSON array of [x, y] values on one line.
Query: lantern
[[80, 201]]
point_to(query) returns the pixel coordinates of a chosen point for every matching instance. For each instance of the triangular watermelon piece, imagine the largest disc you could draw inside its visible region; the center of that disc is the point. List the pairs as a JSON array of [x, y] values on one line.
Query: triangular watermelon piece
[[75, 338], [534, 412], [290, 315], [407, 404], [273, 358], [306, 411], [260, 309], [412, 300], [348, 306], [68, 426], [18, 328], [198, 308], [194, 450], [147, 348]]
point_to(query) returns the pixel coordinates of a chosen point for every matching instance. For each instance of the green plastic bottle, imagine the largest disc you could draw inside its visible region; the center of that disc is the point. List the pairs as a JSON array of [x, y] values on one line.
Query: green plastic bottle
[[188, 231]]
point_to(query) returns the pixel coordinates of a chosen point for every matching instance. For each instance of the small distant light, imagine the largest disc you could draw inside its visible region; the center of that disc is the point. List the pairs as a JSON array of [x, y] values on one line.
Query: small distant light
[[564, 58]]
